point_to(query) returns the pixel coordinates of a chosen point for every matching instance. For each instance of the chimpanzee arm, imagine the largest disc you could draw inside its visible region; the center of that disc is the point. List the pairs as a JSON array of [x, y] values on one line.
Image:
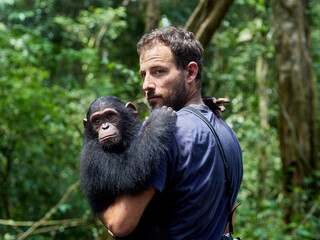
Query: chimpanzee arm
[[147, 149]]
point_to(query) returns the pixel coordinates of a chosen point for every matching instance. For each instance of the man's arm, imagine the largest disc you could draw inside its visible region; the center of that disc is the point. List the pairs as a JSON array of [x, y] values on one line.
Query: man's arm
[[123, 216], [233, 216]]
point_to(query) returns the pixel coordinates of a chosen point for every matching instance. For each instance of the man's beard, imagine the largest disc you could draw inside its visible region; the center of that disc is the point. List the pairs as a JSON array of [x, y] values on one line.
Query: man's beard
[[176, 98]]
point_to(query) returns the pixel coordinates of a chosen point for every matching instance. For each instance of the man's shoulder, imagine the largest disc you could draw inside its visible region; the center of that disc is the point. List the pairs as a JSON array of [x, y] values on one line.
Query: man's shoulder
[[185, 116], [190, 123], [186, 120], [189, 126]]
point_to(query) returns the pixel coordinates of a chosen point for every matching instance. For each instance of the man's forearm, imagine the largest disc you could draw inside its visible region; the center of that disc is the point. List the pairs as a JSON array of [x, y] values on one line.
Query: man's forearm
[[233, 216], [123, 216]]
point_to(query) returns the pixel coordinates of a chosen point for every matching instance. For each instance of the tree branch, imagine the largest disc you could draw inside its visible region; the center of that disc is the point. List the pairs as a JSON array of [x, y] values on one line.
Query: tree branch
[[206, 18], [50, 213], [46, 223]]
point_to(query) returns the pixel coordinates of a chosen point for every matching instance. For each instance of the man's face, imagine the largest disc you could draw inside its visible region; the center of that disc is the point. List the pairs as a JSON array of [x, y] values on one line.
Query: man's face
[[163, 83]]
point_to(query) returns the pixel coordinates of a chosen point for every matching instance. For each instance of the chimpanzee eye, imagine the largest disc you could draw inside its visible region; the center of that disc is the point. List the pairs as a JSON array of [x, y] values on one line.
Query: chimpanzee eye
[[96, 120], [109, 115]]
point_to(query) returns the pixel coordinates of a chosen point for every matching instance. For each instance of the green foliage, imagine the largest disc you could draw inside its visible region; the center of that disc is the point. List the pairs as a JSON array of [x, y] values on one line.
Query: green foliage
[[231, 60], [46, 86], [56, 57]]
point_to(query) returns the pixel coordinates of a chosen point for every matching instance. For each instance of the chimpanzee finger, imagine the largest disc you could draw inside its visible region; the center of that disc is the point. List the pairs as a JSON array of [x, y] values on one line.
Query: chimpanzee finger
[[214, 100], [221, 108], [209, 100], [173, 113], [222, 100]]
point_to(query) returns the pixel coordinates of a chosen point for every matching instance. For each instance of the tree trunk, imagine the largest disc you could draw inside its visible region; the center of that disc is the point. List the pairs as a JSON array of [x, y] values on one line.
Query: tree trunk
[[261, 72], [153, 15], [298, 101], [5, 180], [206, 19]]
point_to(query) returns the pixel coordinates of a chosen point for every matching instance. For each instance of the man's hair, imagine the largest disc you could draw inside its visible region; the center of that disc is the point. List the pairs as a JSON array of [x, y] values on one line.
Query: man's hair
[[182, 44]]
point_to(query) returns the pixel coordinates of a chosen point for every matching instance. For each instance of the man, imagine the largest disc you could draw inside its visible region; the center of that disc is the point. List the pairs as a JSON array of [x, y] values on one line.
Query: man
[[190, 180]]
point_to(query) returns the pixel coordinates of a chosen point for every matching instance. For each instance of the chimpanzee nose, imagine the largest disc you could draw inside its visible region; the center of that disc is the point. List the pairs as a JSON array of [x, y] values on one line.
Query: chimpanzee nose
[[105, 126]]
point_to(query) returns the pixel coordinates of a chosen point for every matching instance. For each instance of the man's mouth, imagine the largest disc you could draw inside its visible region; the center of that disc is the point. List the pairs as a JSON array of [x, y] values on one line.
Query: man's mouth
[[151, 96]]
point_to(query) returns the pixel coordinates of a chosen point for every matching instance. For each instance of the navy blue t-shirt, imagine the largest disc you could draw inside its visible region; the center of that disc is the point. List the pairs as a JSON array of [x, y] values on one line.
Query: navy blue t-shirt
[[191, 177]]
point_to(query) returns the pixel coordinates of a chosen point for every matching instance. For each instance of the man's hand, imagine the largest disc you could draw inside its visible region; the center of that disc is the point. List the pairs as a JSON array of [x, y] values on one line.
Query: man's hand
[[214, 104]]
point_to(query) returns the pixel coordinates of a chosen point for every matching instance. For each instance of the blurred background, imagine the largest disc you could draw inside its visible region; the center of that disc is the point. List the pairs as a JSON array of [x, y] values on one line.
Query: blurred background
[[58, 56]]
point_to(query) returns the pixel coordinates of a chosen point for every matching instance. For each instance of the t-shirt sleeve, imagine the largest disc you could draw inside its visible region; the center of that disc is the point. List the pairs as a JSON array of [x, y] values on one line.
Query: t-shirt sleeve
[[158, 181]]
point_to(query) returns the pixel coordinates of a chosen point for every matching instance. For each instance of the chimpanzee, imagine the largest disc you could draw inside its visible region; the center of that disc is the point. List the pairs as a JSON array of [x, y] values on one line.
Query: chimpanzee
[[120, 154]]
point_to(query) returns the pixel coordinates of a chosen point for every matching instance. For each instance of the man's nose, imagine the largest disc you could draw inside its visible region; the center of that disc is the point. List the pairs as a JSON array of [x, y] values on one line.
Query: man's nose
[[148, 83]]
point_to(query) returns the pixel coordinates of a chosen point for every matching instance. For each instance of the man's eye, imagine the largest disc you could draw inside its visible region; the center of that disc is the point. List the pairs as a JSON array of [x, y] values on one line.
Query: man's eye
[[159, 71], [142, 75]]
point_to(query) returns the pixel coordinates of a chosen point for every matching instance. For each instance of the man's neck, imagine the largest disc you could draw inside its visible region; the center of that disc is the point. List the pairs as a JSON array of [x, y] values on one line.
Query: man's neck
[[195, 98]]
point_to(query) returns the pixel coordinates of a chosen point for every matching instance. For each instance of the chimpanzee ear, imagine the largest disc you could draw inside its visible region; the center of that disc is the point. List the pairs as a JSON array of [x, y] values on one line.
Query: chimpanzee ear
[[84, 122], [133, 108]]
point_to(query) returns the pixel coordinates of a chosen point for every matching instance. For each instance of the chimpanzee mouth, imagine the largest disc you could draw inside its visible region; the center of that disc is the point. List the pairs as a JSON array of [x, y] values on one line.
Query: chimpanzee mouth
[[112, 144], [106, 138]]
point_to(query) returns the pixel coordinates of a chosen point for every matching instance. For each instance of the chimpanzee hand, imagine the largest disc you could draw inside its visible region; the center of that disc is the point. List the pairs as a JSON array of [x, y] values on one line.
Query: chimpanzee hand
[[214, 106], [162, 115]]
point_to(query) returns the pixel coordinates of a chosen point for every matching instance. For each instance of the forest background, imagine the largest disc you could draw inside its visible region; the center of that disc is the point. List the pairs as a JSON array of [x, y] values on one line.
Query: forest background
[[57, 56]]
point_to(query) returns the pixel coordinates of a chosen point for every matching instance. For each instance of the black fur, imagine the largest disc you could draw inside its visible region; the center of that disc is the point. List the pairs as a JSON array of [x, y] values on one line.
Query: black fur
[[127, 167]]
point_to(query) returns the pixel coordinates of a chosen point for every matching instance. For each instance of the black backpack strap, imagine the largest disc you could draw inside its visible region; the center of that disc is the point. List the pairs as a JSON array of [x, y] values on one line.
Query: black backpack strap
[[225, 163]]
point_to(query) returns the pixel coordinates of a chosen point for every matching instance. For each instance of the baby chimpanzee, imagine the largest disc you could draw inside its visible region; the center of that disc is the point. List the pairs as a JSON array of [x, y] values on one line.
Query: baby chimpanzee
[[120, 154]]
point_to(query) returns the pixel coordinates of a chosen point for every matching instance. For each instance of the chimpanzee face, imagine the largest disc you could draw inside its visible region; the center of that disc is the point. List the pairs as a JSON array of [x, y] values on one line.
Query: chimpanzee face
[[106, 124], [109, 122]]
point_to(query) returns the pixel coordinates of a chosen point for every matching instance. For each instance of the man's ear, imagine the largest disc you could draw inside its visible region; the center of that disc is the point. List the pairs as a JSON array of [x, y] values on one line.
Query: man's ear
[[192, 71], [85, 122], [133, 108]]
